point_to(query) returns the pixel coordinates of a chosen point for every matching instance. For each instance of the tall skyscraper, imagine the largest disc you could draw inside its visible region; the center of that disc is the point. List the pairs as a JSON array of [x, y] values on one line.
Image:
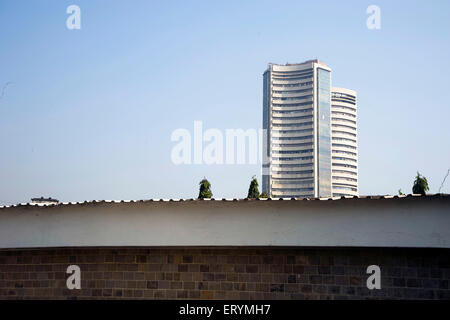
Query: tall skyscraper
[[344, 148], [297, 116]]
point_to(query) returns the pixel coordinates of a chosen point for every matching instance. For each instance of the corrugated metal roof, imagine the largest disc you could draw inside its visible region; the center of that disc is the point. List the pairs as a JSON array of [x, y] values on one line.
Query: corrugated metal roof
[[375, 197]]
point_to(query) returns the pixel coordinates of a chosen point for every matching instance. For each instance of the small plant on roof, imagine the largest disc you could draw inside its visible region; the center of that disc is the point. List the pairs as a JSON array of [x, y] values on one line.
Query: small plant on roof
[[420, 185], [253, 191], [205, 189]]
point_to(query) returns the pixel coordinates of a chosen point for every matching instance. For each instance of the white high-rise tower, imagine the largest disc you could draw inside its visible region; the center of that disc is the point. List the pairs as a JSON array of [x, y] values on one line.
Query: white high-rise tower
[[298, 119], [344, 143]]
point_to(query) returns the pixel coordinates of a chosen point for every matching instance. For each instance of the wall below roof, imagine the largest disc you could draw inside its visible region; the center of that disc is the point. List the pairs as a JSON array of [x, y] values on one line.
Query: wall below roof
[[225, 273], [405, 222]]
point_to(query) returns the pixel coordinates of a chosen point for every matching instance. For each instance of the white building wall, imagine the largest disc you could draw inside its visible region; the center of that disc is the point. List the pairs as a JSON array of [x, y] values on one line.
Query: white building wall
[[396, 222]]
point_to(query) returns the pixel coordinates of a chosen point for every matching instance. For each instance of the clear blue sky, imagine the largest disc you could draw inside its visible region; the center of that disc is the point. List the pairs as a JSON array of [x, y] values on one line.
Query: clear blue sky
[[90, 112]]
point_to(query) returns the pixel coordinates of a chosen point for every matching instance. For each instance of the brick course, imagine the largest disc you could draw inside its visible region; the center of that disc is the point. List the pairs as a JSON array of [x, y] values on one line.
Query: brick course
[[225, 273]]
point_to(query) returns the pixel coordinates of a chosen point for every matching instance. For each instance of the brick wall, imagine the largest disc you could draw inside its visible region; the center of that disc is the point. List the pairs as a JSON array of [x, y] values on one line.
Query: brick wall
[[225, 273]]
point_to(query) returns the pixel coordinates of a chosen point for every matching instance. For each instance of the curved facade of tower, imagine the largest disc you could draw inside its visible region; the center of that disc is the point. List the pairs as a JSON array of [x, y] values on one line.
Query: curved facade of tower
[[298, 145], [344, 142]]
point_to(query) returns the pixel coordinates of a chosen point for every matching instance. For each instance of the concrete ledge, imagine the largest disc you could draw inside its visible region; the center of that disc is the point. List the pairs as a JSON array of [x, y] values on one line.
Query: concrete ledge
[[397, 222]]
